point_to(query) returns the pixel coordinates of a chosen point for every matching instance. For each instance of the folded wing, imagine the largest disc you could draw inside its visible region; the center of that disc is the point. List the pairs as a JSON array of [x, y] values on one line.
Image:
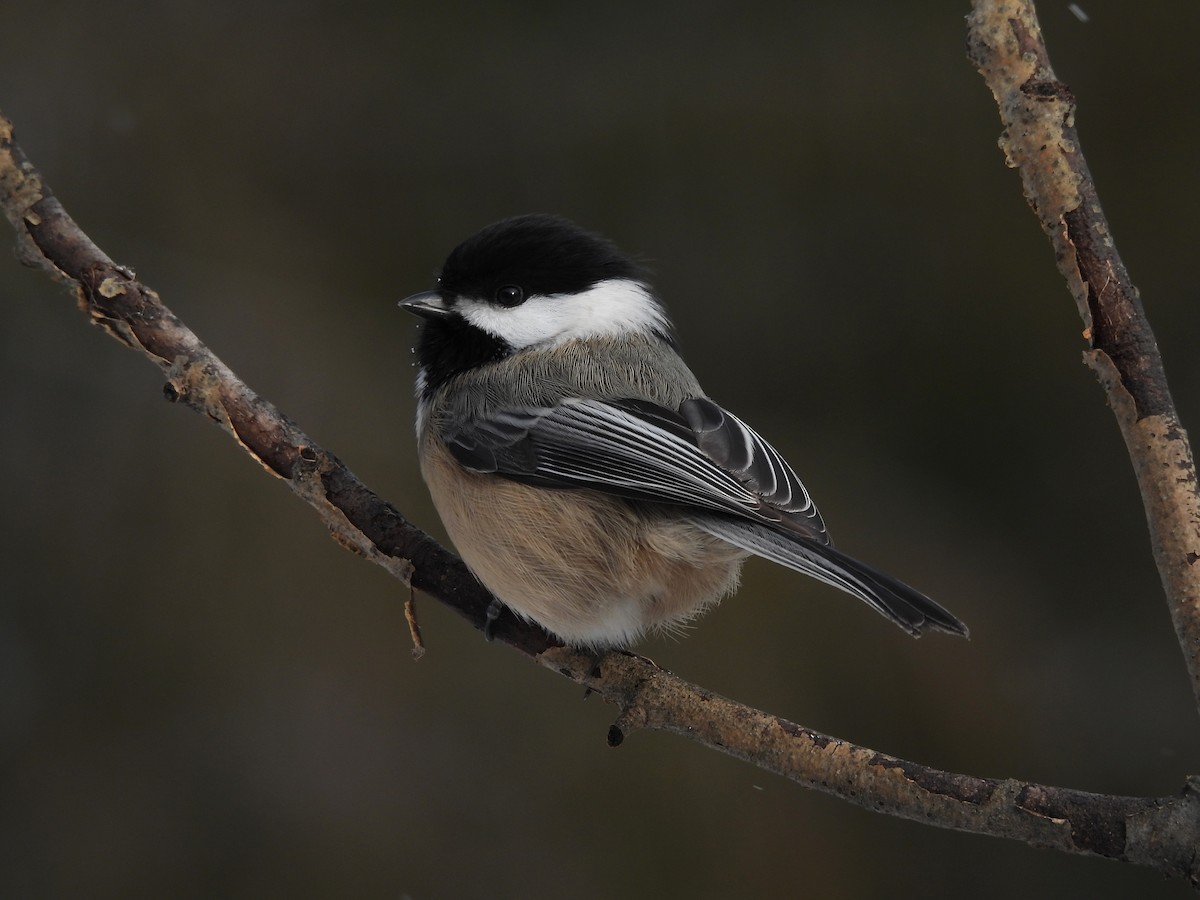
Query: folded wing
[[728, 480]]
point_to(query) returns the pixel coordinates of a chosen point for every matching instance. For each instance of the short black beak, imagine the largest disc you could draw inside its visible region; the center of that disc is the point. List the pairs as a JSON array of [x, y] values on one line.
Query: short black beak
[[427, 305]]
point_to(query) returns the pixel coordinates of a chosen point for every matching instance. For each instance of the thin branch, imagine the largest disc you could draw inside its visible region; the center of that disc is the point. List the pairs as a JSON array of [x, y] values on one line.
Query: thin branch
[[1038, 111], [1160, 833]]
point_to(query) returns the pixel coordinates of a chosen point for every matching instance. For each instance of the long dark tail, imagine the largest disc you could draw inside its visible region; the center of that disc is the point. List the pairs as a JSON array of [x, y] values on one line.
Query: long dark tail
[[906, 606]]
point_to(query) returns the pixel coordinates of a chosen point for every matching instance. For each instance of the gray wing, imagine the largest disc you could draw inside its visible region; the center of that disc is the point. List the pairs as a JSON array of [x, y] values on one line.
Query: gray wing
[[700, 457], [730, 482], [906, 606]]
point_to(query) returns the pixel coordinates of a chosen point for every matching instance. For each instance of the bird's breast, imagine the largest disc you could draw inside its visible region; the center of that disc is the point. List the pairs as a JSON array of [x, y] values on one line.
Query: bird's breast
[[593, 569]]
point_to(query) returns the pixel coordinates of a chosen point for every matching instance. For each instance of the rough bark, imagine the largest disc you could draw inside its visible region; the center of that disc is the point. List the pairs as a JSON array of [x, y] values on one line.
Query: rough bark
[[1041, 143]]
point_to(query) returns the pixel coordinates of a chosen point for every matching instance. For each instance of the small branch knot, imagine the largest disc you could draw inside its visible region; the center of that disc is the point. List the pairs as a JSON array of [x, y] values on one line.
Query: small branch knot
[[1043, 89]]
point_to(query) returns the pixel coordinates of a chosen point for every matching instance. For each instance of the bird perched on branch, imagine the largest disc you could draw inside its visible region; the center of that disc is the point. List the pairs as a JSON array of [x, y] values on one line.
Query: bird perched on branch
[[580, 469]]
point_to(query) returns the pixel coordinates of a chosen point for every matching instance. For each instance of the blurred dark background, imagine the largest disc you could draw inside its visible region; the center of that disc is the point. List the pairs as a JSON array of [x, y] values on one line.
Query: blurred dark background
[[202, 695]]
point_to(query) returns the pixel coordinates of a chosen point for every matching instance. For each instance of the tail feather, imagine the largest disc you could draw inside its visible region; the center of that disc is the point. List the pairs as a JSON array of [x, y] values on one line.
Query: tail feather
[[906, 606]]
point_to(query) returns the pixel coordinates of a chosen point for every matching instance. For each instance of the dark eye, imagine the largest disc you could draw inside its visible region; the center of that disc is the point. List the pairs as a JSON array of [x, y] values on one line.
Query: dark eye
[[510, 295]]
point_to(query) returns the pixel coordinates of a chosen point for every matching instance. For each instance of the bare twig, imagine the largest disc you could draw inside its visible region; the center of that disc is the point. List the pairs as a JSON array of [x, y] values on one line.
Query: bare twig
[[1160, 833], [414, 627], [1040, 141]]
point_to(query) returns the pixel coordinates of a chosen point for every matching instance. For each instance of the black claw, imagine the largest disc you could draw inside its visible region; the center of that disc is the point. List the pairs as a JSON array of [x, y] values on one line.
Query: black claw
[[489, 618]]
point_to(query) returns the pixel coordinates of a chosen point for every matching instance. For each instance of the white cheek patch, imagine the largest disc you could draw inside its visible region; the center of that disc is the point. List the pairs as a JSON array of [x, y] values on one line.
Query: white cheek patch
[[609, 308]]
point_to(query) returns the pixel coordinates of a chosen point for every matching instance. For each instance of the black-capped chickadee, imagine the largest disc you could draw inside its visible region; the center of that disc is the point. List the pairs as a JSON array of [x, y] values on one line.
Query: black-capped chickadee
[[578, 466]]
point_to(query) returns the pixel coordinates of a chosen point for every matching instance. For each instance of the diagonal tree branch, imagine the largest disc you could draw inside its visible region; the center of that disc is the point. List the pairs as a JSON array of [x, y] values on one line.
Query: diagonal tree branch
[[1040, 141], [1157, 832]]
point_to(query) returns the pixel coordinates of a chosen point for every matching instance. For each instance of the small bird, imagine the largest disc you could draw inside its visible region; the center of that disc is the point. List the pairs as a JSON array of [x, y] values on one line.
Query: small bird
[[580, 469]]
